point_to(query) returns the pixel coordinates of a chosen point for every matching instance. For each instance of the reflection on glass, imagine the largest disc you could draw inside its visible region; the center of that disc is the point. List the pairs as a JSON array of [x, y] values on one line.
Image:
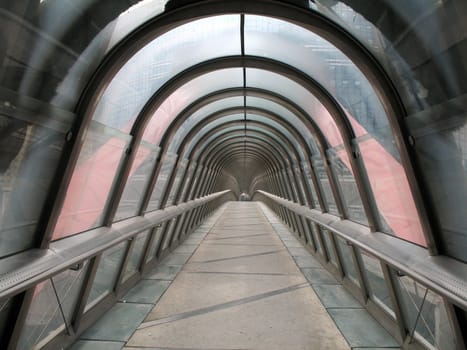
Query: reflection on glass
[[136, 253], [375, 281], [5, 308], [162, 179], [323, 179], [316, 232], [187, 94], [156, 241], [391, 192], [44, 319], [440, 137], [293, 91], [92, 181], [345, 253], [29, 156], [425, 315], [46, 315], [107, 273], [328, 242], [177, 182], [168, 233], [311, 185], [348, 188], [160, 60], [140, 173]]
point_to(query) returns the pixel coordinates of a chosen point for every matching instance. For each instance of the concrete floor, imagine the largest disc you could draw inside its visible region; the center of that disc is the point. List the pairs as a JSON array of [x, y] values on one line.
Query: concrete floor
[[241, 281]]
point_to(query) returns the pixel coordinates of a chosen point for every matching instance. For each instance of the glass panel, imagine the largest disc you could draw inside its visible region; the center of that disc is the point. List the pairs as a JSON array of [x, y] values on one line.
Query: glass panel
[[286, 114], [187, 182], [51, 48], [177, 182], [140, 173], [168, 234], [308, 234], [294, 92], [92, 181], [188, 93], [199, 115], [348, 188], [45, 318], [160, 60], [5, 310], [195, 183], [375, 281], [157, 232], [425, 314], [296, 46], [440, 137], [323, 179], [316, 232], [159, 189], [29, 155], [311, 185], [402, 38], [345, 253], [107, 274], [329, 245], [134, 260], [392, 193]]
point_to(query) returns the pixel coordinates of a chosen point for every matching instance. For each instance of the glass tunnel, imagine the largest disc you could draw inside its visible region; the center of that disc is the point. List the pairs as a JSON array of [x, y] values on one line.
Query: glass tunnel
[[126, 124]]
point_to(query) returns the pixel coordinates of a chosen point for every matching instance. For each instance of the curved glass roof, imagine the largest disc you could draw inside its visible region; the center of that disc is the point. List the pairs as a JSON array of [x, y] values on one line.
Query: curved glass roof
[[342, 87]]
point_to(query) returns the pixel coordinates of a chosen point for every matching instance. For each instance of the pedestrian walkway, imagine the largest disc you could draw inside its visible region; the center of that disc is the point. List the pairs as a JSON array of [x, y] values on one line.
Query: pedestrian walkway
[[241, 281]]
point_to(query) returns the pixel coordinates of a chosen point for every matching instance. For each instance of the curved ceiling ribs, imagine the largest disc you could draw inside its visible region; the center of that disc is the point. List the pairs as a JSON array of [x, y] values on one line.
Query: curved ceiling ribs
[[297, 159]]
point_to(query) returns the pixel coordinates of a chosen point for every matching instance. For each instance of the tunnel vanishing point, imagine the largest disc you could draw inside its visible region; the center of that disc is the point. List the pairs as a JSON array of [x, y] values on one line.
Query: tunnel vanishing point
[[135, 132]]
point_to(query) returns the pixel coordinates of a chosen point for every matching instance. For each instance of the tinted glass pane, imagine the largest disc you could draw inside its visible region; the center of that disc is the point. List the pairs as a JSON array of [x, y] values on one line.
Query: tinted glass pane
[[187, 182], [136, 254], [29, 155], [5, 308], [425, 314], [54, 46], [317, 239], [161, 183], [92, 180], [46, 314], [325, 185], [156, 241], [348, 265], [311, 185], [289, 43], [286, 114], [375, 281], [440, 137], [107, 273], [199, 115], [348, 188], [391, 192], [168, 233], [329, 245], [44, 318], [160, 60], [177, 182], [296, 93], [188, 93], [141, 171]]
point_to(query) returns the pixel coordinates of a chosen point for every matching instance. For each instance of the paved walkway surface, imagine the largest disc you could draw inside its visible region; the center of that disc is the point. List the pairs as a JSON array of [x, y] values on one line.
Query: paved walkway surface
[[241, 281]]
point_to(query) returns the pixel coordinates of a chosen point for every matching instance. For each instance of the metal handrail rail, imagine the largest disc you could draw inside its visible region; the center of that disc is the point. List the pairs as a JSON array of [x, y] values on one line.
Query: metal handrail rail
[[22, 271], [442, 274]]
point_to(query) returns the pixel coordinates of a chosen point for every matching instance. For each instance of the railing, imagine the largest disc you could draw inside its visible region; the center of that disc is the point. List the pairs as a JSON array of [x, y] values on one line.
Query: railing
[[419, 290], [22, 271]]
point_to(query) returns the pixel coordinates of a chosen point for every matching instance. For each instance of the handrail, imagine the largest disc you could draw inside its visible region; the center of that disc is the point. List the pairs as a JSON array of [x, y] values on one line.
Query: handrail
[[21, 271], [442, 274]]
